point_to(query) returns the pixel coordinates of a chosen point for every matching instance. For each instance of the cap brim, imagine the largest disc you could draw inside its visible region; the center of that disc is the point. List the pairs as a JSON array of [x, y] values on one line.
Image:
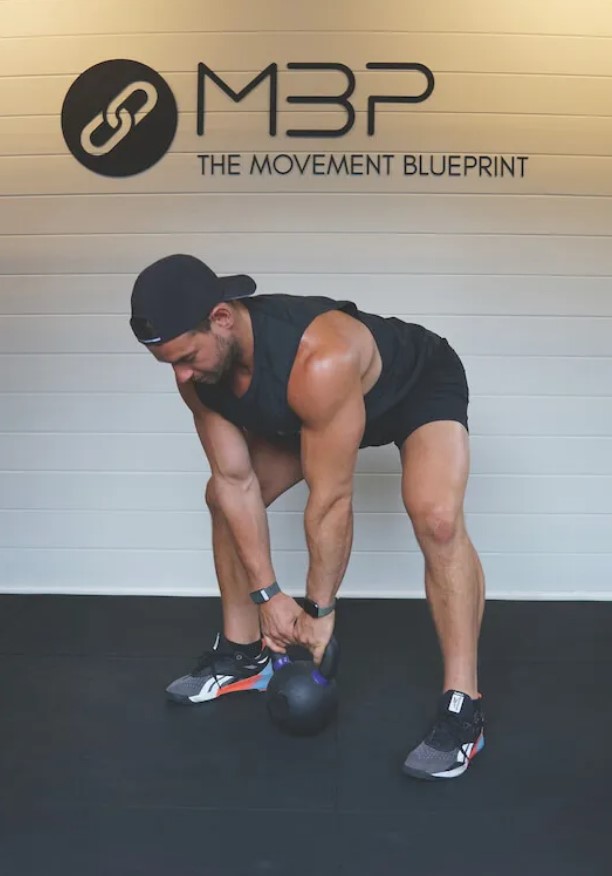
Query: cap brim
[[238, 286]]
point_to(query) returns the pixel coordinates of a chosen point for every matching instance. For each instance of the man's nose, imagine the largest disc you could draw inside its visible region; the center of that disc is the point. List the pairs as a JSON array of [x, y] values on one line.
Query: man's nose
[[183, 373]]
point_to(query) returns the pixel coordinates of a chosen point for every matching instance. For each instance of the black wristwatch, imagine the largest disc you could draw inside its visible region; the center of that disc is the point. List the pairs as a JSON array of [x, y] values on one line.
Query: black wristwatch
[[316, 610], [265, 594]]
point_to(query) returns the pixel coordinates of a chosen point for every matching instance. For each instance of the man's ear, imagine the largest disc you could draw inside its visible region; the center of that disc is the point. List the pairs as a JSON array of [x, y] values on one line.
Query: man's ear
[[222, 315]]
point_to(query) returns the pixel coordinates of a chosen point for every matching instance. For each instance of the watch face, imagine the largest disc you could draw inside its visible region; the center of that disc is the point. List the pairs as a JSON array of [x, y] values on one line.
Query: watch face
[[314, 609], [311, 608]]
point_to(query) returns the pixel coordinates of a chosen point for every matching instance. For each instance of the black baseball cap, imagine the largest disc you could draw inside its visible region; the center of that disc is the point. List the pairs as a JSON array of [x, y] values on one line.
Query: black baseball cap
[[171, 296]]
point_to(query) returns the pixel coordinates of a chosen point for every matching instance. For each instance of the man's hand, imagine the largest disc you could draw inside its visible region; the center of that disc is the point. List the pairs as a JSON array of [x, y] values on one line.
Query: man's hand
[[314, 633], [277, 618]]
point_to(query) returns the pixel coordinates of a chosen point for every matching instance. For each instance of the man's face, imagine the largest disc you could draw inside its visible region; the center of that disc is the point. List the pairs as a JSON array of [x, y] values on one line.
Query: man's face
[[205, 357]]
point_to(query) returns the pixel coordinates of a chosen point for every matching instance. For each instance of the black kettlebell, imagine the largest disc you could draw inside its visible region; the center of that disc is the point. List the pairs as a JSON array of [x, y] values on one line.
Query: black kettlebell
[[302, 697]]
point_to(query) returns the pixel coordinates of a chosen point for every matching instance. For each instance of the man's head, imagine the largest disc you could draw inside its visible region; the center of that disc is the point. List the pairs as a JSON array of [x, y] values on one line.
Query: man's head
[[183, 312]]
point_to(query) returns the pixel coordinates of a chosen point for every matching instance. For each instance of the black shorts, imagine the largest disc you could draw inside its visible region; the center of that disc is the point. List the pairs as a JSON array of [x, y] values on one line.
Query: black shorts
[[441, 394]]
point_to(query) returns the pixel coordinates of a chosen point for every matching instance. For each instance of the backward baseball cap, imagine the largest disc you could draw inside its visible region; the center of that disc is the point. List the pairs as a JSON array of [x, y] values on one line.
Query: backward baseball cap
[[175, 293]]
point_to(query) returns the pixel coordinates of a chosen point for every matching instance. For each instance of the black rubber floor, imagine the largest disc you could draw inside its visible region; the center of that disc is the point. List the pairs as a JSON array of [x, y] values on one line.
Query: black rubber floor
[[99, 776]]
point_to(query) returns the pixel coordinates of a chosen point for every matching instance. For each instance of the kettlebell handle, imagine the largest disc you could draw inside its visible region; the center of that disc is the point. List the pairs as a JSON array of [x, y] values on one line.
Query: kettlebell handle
[[279, 660], [323, 673], [329, 662]]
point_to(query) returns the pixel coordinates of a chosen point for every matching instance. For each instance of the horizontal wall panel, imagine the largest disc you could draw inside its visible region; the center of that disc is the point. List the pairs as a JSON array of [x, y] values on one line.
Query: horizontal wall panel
[[28, 18], [379, 533], [517, 336], [192, 573], [150, 413], [478, 335], [453, 92], [397, 133], [77, 412], [69, 451], [206, 213], [442, 52], [412, 294], [554, 415], [62, 372], [544, 174], [60, 334], [538, 375], [503, 454], [514, 494], [510, 454], [384, 253]]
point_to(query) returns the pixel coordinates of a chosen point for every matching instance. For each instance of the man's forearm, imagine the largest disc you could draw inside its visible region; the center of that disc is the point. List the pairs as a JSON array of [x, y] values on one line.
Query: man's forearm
[[329, 535], [243, 508]]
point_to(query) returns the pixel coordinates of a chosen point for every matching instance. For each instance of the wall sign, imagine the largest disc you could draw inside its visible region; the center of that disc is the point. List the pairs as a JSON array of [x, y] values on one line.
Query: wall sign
[[119, 118]]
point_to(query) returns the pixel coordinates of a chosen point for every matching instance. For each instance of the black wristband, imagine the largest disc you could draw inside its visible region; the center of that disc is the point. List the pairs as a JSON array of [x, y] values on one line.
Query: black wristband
[[265, 594]]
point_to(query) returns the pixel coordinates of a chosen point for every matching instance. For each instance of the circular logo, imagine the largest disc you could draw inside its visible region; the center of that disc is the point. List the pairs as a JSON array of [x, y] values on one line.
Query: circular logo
[[119, 118]]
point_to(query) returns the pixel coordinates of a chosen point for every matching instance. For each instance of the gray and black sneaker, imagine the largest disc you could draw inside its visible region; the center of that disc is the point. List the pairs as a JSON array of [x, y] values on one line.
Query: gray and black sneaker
[[452, 743], [222, 670]]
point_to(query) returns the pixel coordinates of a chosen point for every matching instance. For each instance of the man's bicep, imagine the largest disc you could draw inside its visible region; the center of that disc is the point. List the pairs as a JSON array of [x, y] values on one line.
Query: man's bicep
[[223, 443], [225, 446], [328, 397], [329, 448]]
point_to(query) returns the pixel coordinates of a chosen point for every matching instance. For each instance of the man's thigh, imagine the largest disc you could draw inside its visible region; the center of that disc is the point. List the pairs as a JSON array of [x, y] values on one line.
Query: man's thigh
[[435, 467]]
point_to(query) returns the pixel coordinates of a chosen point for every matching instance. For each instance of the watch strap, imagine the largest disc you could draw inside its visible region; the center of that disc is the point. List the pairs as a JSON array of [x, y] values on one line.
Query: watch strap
[[265, 594]]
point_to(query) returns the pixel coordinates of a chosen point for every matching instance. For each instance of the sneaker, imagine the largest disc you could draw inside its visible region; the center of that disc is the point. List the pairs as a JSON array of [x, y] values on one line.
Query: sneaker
[[452, 743], [222, 670]]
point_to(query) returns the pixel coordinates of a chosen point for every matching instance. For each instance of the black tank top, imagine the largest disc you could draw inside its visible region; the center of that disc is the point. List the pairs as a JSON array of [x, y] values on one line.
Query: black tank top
[[279, 321]]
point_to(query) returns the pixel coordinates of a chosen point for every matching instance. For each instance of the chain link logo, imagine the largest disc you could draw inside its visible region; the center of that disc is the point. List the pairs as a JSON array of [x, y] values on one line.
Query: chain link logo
[[117, 115], [119, 118]]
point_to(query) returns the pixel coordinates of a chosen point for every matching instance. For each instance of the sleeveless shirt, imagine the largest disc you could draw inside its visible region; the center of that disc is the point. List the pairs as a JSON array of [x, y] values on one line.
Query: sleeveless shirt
[[279, 321]]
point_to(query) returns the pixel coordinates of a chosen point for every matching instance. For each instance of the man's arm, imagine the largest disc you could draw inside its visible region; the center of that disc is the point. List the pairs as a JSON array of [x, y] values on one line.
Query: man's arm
[[236, 488], [327, 395]]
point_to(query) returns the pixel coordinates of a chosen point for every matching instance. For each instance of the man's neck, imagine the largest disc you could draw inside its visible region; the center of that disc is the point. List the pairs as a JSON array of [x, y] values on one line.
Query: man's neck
[[242, 372]]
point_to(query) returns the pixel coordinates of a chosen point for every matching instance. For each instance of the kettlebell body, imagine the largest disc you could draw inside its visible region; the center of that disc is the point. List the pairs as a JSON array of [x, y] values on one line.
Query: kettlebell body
[[302, 698]]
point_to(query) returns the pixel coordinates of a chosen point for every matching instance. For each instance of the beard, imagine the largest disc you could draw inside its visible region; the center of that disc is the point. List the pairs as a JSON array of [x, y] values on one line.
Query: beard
[[227, 355]]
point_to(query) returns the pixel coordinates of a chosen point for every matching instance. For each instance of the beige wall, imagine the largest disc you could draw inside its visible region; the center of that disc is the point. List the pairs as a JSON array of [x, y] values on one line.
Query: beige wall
[[101, 475]]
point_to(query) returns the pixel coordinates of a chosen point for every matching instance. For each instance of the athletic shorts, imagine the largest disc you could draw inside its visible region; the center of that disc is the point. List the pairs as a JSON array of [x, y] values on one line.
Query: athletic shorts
[[441, 394]]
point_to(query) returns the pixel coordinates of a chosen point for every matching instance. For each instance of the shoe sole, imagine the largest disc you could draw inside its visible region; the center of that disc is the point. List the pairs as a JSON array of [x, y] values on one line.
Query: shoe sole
[[431, 777], [244, 685], [186, 701]]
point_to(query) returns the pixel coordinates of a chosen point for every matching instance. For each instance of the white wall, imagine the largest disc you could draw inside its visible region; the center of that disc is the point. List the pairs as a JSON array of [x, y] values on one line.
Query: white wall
[[102, 477]]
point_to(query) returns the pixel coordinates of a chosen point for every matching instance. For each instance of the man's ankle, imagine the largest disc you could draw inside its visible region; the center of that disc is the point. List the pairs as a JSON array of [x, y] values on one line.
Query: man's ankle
[[249, 649]]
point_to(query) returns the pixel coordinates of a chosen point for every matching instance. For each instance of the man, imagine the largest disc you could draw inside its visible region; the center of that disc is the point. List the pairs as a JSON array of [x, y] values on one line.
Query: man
[[284, 388]]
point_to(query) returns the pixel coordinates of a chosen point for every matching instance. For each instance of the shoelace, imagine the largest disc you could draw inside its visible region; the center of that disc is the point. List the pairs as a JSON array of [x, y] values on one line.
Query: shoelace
[[208, 660], [448, 727]]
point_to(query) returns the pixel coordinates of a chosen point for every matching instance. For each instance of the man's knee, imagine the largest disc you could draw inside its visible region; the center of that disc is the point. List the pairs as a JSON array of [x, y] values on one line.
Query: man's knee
[[272, 484], [438, 523], [211, 497]]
